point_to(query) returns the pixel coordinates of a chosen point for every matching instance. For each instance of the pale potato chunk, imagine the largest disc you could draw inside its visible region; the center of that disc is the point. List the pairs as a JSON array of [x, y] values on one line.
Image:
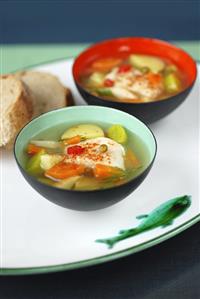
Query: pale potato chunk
[[86, 131], [155, 64]]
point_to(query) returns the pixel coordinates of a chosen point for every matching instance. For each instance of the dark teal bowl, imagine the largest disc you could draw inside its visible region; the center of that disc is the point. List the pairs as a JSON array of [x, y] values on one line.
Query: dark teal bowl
[[84, 200]]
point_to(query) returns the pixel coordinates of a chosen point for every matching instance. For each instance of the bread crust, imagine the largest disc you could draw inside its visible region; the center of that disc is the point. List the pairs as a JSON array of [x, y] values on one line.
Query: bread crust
[[31, 103], [69, 97], [18, 114], [41, 84]]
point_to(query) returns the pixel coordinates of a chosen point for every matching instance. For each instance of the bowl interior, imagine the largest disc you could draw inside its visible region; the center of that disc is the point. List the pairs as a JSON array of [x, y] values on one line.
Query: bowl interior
[[122, 47], [80, 114]]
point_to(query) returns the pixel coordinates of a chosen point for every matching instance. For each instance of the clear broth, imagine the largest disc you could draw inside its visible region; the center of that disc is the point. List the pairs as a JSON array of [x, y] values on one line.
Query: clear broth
[[134, 142]]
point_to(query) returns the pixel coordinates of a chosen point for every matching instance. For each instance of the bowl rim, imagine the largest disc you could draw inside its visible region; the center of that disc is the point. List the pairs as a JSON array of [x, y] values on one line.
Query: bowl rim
[[83, 107], [163, 42]]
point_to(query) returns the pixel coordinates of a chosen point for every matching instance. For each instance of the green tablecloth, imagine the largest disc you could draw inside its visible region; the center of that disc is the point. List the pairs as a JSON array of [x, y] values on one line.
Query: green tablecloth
[[15, 57]]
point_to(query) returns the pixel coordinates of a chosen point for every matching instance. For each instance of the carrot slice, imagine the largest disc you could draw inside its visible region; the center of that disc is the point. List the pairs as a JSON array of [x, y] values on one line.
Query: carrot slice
[[154, 79], [73, 140], [105, 64], [64, 170], [104, 171], [33, 149], [131, 161]]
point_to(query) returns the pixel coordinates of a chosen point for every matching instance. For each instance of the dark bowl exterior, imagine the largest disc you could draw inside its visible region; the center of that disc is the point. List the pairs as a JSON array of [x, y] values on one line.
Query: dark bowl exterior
[[85, 200], [146, 112]]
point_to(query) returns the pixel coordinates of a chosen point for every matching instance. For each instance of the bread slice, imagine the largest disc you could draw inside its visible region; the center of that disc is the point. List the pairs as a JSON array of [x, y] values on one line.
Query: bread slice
[[15, 108], [48, 92]]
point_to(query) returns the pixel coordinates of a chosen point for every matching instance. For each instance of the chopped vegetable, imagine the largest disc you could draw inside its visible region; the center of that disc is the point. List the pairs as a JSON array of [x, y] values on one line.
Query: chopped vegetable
[[67, 183], [117, 133], [45, 180], [131, 160], [172, 83], [87, 183], [145, 69], [104, 171], [154, 79], [124, 68], [86, 131], [109, 83], [155, 64], [64, 170], [104, 91], [105, 64], [73, 140], [122, 93], [33, 164], [47, 143], [96, 79], [33, 149], [48, 161], [170, 69]]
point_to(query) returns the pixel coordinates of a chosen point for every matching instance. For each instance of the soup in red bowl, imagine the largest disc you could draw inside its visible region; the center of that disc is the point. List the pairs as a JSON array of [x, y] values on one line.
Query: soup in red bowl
[[145, 77]]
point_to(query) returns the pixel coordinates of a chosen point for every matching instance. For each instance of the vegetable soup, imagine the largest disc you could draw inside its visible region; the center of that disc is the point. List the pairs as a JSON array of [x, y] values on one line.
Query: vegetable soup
[[137, 78], [86, 156]]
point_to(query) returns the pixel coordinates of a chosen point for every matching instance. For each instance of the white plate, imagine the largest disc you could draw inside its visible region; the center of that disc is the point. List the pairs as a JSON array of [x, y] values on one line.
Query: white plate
[[38, 236]]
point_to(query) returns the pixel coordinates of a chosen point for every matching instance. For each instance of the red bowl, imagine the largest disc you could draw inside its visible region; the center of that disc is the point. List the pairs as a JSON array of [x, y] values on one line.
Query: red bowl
[[122, 47]]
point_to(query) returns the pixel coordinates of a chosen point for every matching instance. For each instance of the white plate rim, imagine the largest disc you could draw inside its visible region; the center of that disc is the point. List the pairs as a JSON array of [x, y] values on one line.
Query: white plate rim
[[104, 258]]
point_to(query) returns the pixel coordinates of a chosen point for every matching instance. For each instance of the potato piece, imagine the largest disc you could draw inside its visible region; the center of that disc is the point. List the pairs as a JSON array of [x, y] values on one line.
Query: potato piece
[[155, 64], [86, 131], [48, 161]]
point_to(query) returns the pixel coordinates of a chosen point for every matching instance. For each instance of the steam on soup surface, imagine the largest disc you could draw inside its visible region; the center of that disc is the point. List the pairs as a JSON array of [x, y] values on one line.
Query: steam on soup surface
[[86, 156], [137, 78]]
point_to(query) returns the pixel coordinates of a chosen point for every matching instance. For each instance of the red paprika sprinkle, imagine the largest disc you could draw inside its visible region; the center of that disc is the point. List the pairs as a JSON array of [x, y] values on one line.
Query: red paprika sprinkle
[[75, 150]]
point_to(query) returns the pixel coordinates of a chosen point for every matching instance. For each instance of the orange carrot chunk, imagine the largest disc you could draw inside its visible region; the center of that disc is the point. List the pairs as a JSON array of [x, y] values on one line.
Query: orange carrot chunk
[[154, 79], [104, 171], [64, 170], [33, 149], [105, 64], [131, 161], [73, 140]]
